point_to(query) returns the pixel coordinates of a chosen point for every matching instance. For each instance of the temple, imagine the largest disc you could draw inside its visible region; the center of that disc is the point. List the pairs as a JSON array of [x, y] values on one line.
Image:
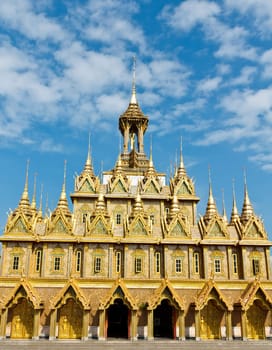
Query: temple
[[132, 259]]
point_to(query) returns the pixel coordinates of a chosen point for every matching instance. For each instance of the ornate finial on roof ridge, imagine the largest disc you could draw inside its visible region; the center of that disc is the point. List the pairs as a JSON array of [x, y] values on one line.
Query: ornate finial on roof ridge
[[247, 210], [41, 197], [133, 94], [33, 203], [211, 209], [224, 214], [234, 212]]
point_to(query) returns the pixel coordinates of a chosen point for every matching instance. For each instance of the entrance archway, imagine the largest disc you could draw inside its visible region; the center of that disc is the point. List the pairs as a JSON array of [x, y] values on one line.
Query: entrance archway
[[210, 321], [117, 320], [22, 316], [70, 320], [163, 320], [256, 316]]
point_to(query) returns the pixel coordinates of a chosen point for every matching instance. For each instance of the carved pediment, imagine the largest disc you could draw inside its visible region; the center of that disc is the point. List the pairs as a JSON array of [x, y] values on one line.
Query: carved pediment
[[60, 225], [18, 224], [216, 229], [99, 226], [178, 228], [151, 185], [139, 226], [254, 230], [119, 185], [182, 187], [87, 186]]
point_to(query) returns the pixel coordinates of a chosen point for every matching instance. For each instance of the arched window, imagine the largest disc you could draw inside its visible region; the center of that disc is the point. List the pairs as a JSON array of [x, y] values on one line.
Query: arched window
[[118, 261], [158, 262], [78, 260], [196, 262], [38, 263]]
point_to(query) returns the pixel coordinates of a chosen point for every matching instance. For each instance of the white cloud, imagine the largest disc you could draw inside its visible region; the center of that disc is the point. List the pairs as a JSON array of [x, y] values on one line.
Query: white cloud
[[261, 11], [246, 76], [19, 15], [209, 85], [190, 13]]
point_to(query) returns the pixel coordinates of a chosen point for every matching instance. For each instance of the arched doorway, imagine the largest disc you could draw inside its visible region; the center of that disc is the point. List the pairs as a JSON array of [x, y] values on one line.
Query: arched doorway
[[210, 320], [256, 316], [163, 320], [70, 320], [117, 320], [22, 316]]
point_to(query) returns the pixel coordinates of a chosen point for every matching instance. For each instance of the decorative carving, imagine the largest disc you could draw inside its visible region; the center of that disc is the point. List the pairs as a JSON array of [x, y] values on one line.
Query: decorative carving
[[70, 320], [22, 320]]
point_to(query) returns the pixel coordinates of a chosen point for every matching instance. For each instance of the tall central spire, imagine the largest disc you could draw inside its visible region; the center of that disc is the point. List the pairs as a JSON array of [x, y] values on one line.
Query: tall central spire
[[133, 99]]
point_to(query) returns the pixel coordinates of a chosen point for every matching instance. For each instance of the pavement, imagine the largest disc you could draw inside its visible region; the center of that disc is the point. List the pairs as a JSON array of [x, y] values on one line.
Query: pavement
[[8, 344]]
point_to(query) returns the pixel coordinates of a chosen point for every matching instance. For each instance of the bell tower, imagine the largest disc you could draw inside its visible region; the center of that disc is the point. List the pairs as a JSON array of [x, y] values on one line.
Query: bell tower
[[132, 125]]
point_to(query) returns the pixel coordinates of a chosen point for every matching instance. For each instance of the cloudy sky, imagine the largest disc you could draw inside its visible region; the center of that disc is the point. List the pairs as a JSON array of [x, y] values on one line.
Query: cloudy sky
[[203, 72]]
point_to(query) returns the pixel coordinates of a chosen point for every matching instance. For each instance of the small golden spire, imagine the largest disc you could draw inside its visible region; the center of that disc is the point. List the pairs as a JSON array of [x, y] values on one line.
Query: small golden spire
[[133, 99], [181, 169], [63, 203], [41, 197], [234, 213], [211, 209], [224, 214], [24, 201], [247, 210], [33, 203]]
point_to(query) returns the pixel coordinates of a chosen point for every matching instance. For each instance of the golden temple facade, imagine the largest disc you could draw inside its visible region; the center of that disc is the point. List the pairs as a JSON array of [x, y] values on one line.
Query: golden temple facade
[[131, 260]]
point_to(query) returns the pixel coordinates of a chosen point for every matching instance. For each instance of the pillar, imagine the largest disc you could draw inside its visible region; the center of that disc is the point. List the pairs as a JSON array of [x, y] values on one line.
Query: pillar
[[229, 335], [243, 325], [126, 136], [36, 324], [3, 324], [85, 325], [267, 260], [150, 325], [197, 325], [133, 326], [53, 320], [102, 328], [206, 258], [84, 262], [181, 324]]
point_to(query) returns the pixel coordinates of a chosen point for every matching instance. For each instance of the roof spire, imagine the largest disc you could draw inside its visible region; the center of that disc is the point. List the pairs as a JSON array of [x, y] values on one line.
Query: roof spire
[[234, 212], [211, 209], [33, 203], [41, 196], [88, 164], [247, 210], [63, 200], [224, 214], [181, 168], [133, 94], [24, 201]]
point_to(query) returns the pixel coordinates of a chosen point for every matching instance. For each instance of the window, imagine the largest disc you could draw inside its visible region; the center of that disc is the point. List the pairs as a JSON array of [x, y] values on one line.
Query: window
[[97, 264], [138, 265], [166, 211], [118, 262], [118, 219], [235, 263], [196, 262], [217, 265], [178, 265], [256, 266], [38, 260], [84, 218], [15, 265], [57, 263], [157, 262], [78, 261], [152, 219]]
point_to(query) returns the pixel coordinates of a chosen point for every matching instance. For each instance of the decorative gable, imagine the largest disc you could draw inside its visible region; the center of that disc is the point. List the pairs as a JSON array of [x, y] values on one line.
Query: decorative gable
[[99, 226], [19, 226], [178, 230], [60, 225], [138, 228], [254, 230], [150, 185], [184, 189], [118, 185], [86, 187], [216, 228]]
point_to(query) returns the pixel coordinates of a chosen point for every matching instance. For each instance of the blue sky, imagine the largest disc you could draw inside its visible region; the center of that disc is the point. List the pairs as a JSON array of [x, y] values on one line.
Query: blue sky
[[203, 72]]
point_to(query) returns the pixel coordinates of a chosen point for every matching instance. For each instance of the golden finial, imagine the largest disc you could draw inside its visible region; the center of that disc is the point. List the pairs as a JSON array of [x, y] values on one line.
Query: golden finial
[[33, 203], [25, 193], [224, 214], [133, 95], [41, 196], [234, 212], [211, 206]]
